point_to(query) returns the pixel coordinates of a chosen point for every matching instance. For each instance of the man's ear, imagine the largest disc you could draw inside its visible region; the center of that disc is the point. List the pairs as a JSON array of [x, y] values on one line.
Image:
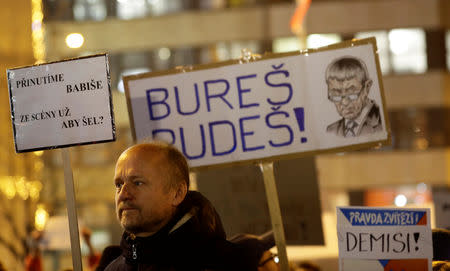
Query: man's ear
[[180, 194], [368, 84]]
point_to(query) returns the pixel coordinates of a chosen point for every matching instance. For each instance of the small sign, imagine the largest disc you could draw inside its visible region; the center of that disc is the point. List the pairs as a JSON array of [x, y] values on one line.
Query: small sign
[[282, 104], [384, 239], [61, 104]]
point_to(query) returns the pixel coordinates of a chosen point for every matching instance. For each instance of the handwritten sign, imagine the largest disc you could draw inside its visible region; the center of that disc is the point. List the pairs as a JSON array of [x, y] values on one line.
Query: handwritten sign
[[385, 238], [61, 104], [280, 105]]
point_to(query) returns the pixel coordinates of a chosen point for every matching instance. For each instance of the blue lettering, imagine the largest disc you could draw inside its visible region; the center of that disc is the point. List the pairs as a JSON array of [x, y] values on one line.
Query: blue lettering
[[183, 144], [241, 91], [283, 85], [219, 95], [280, 126], [177, 99], [211, 134], [244, 134], [162, 102]]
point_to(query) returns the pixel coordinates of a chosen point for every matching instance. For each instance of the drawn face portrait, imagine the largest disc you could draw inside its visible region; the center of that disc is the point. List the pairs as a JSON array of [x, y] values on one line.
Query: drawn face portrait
[[348, 95]]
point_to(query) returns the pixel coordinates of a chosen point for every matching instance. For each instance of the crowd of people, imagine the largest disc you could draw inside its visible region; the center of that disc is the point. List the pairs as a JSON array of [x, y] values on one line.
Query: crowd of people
[[169, 227]]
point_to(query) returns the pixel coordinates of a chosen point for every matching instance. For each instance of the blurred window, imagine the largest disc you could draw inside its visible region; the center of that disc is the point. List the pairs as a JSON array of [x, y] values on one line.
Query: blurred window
[[287, 44], [89, 10], [408, 49], [382, 45], [320, 40]]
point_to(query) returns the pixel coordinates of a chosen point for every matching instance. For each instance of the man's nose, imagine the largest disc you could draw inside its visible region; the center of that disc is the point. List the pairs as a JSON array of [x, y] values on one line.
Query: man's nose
[[345, 100], [125, 192]]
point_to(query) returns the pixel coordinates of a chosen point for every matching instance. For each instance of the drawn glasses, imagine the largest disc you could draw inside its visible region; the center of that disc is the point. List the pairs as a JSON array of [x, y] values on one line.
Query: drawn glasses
[[339, 98]]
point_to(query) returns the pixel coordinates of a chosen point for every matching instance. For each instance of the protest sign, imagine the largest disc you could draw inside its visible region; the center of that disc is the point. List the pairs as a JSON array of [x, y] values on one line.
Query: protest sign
[[384, 238], [280, 105], [61, 104]]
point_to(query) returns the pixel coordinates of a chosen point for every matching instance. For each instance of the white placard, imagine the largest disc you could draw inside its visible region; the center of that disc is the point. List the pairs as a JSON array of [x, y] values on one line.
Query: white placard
[[61, 104], [281, 105], [393, 237]]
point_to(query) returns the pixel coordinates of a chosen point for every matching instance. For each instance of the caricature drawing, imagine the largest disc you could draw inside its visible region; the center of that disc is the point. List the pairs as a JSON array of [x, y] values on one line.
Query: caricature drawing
[[348, 88]]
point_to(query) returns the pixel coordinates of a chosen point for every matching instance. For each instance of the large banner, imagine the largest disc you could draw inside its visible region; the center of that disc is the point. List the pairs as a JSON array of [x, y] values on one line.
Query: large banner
[[384, 239], [280, 105], [61, 104]]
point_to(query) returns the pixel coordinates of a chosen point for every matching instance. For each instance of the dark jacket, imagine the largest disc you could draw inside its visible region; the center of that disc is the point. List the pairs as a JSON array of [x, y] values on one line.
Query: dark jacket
[[370, 122], [193, 240]]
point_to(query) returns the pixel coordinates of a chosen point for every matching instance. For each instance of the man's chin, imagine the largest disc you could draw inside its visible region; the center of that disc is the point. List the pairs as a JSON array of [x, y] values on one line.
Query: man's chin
[[349, 115], [131, 228]]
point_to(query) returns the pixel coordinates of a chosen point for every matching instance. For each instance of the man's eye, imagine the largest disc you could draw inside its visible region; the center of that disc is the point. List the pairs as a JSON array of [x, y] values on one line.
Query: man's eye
[[118, 185], [138, 182]]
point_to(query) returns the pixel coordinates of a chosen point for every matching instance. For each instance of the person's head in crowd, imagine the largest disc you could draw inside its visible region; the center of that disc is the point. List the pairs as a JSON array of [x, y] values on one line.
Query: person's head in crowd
[[348, 86], [261, 245], [441, 244], [151, 180], [308, 266], [441, 266]]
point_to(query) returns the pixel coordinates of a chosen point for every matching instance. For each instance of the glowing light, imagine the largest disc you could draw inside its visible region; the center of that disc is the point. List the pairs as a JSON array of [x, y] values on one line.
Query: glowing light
[[400, 200], [297, 19], [37, 33], [320, 40], [38, 153], [40, 217], [74, 40], [276, 259], [421, 188], [21, 188], [164, 53], [8, 187], [34, 188], [286, 45]]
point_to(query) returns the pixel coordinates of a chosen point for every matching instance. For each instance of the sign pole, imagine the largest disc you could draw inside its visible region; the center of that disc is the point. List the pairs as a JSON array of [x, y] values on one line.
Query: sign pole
[[275, 212], [72, 212]]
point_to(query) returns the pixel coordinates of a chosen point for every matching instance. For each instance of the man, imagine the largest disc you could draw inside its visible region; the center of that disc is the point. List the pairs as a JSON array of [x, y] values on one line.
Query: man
[[348, 88], [166, 226]]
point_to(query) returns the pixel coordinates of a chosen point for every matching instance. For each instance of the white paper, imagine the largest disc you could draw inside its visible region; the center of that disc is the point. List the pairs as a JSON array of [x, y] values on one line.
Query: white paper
[[61, 104]]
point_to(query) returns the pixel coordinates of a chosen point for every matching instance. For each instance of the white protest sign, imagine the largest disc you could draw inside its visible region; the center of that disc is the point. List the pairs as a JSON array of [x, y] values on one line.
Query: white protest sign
[[61, 104], [387, 238], [277, 106]]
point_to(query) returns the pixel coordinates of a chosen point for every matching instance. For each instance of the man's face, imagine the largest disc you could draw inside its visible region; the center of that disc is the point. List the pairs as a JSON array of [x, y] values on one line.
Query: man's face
[[144, 204], [348, 95]]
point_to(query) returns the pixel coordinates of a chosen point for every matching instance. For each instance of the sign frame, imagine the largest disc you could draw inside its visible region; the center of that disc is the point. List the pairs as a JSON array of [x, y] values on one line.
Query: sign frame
[[111, 111]]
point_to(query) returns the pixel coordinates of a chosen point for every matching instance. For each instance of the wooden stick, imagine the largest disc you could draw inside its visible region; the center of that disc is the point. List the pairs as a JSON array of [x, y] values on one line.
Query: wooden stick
[[275, 212], [72, 212]]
